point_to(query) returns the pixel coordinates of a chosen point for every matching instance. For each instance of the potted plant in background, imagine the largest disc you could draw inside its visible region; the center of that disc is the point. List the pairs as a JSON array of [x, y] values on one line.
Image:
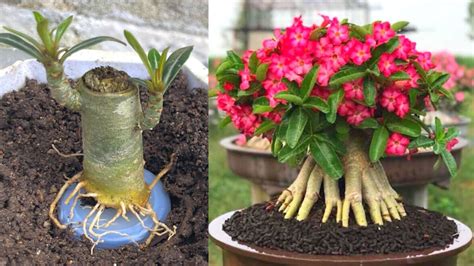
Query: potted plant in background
[[336, 98], [113, 175]]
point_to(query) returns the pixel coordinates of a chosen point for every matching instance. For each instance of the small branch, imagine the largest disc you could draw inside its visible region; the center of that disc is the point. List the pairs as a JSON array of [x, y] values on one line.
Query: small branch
[[164, 171], [65, 155]]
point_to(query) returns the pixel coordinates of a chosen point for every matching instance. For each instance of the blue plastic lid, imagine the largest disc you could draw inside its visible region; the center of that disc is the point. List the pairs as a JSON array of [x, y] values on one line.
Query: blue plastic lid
[[134, 230]]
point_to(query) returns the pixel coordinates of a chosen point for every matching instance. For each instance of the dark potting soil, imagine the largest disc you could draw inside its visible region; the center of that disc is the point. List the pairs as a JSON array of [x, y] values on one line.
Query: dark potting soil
[[260, 226], [31, 174]]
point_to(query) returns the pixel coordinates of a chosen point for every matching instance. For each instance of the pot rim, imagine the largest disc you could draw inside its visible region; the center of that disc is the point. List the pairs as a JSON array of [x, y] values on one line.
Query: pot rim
[[229, 144], [223, 240]]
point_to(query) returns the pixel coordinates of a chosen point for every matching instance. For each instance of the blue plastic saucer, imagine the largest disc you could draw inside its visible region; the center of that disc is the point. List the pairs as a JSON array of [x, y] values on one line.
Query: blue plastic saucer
[[159, 200]]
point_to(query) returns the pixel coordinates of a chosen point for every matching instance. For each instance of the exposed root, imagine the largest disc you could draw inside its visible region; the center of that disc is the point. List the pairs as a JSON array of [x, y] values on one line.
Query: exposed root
[[163, 171], [312, 192], [75, 191], [159, 229], [332, 198], [116, 216], [53, 205], [65, 155]]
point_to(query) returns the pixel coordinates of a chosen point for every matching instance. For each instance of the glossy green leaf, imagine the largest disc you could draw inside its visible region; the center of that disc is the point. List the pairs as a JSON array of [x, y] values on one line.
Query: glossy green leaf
[[287, 152], [450, 162], [25, 36], [421, 142], [369, 123], [360, 31], [405, 127], [439, 130], [318, 103], [86, 44], [285, 95], [261, 73], [369, 91], [234, 57], [399, 25], [399, 75], [387, 47], [62, 27], [296, 125], [317, 34], [333, 102], [253, 62], [308, 82], [326, 157], [264, 127], [378, 144], [224, 66], [38, 17], [154, 58], [174, 63], [43, 33], [139, 50], [446, 93], [451, 133], [261, 105], [420, 71], [346, 75], [18, 43]]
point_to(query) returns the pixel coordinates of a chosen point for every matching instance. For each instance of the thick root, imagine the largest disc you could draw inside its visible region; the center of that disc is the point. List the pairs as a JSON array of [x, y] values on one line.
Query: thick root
[[53, 205], [312, 193], [332, 198]]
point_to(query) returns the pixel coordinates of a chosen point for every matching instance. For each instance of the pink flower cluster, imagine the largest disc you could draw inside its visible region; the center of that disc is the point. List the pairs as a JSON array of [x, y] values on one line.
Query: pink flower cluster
[[291, 54], [446, 62]]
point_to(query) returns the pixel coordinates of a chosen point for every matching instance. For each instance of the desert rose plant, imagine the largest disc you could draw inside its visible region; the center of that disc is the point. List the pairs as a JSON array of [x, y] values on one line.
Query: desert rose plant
[[337, 97], [112, 121]]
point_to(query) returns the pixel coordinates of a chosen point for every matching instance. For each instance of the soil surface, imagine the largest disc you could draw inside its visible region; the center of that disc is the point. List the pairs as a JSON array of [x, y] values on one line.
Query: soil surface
[[263, 227], [31, 173]]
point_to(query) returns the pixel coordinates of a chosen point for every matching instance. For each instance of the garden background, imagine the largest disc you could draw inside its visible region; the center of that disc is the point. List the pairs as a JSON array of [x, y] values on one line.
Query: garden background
[[434, 25]]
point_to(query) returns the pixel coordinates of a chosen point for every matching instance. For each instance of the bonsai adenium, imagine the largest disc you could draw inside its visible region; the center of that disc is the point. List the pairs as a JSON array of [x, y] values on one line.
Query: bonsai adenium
[[112, 122], [339, 97]]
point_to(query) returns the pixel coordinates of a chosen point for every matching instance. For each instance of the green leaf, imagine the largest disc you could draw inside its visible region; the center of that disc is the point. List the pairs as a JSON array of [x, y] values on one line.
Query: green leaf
[[387, 47], [451, 133], [224, 122], [286, 153], [296, 125], [420, 71], [25, 36], [291, 85], [285, 95], [326, 157], [224, 66], [405, 127], [317, 33], [318, 103], [254, 87], [359, 30], [86, 44], [369, 91], [346, 75], [399, 25], [139, 50], [378, 144], [62, 27], [174, 63], [261, 105], [38, 17], [439, 130], [333, 141], [308, 82], [446, 93], [421, 142], [333, 102], [342, 127], [264, 127], [20, 44], [262, 72], [369, 123], [232, 78], [253, 62], [234, 57], [141, 82], [450, 162], [154, 58], [440, 80], [43, 33], [399, 75]]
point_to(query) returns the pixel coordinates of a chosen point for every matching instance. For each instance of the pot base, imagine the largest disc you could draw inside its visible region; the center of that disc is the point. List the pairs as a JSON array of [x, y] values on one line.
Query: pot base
[[126, 232]]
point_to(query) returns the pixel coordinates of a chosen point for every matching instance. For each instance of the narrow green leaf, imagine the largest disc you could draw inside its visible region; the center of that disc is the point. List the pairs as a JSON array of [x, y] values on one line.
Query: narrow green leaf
[[369, 123], [451, 133], [26, 37], [362, 32], [387, 47], [174, 63], [318, 103], [378, 144], [439, 130], [421, 142], [232, 78], [254, 87], [292, 86], [399, 25], [139, 50], [18, 43], [140, 82], [333, 141], [234, 57], [333, 102], [450, 162], [158, 79], [61, 29], [326, 157], [287, 152], [224, 66], [405, 127], [86, 44], [420, 71], [154, 58], [346, 75], [224, 122], [369, 91], [399, 75], [285, 95], [253, 62], [296, 125], [43, 33], [38, 17], [308, 82], [262, 72], [261, 105], [264, 127], [317, 34], [446, 93]]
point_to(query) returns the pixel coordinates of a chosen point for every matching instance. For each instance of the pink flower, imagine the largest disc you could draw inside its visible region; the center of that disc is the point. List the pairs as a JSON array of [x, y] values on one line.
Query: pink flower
[[451, 144], [241, 140], [403, 105], [337, 59], [270, 44], [346, 108], [370, 40], [225, 102], [389, 99], [405, 49], [338, 33], [428, 105], [397, 144], [301, 64], [424, 59], [272, 86], [243, 119], [323, 47], [228, 86], [324, 74], [278, 65], [358, 114], [459, 96], [382, 31], [245, 78], [360, 53], [387, 64], [354, 90]]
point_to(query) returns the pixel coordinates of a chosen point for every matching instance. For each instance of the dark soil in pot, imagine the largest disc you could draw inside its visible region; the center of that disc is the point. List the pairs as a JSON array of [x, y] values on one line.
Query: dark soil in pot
[[31, 173], [265, 227]]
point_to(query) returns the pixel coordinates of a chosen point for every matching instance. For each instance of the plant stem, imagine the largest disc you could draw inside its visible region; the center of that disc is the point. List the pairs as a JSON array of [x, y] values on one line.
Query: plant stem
[[152, 112], [61, 90]]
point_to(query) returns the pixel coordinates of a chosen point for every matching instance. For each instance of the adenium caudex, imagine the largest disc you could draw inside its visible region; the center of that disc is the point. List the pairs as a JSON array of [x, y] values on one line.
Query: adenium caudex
[[112, 121], [319, 92]]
